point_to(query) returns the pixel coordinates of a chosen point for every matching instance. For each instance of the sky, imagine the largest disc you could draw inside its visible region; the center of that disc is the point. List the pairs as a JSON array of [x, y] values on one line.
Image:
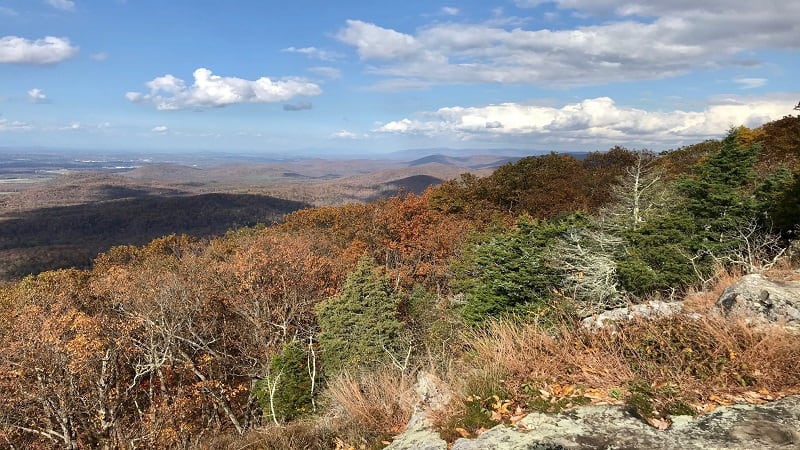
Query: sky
[[322, 76]]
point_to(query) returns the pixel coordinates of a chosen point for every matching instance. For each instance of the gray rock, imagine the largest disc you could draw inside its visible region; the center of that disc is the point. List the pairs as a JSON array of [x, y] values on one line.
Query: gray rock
[[770, 426], [652, 309], [755, 295], [419, 433]]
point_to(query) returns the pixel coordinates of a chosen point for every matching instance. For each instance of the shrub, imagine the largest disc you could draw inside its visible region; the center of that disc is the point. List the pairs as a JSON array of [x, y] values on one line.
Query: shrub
[[293, 394], [359, 328], [509, 273]]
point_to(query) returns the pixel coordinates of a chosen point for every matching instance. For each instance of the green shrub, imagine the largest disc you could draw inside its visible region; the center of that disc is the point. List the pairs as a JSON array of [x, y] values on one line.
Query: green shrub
[[510, 273], [294, 387], [359, 328]]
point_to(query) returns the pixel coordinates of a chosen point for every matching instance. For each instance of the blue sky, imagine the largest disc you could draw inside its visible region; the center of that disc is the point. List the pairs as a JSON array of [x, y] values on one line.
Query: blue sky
[[373, 77]]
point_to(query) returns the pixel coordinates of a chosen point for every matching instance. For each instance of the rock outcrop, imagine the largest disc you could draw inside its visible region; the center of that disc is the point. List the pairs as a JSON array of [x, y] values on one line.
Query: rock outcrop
[[757, 296], [649, 310], [772, 425], [419, 433]]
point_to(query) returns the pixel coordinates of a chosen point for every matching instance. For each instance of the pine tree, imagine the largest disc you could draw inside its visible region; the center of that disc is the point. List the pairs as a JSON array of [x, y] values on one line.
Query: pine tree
[[359, 328]]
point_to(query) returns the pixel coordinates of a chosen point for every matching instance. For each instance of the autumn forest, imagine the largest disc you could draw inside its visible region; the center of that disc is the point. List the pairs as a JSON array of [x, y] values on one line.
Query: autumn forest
[[309, 332]]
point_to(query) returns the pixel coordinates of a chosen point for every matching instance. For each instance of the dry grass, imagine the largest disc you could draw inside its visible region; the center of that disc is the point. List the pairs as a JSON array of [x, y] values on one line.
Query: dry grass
[[696, 357], [702, 301], [378, 402], [294, 435]]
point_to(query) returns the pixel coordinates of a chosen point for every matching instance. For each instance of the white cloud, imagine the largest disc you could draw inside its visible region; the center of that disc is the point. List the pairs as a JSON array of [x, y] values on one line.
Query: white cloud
[[374, 42], [344, 134], [327, 72], [160, 129], [750, 83], [313, 52], [213, 91], [37, 95], [450, 11], [100, 56], [677, 37], [49, 50], [74, 126], [64, 5], [13, 125], [591, 121]]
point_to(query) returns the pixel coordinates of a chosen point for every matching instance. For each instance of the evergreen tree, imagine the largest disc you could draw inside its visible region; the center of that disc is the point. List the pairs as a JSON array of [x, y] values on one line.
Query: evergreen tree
[[720, 194], [293, 393], [509, 272], [359, 328]]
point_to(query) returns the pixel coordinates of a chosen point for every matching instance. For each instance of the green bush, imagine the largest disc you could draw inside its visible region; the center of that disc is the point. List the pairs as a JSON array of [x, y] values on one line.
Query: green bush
[[510, 273], [294, 393], [359, 328]]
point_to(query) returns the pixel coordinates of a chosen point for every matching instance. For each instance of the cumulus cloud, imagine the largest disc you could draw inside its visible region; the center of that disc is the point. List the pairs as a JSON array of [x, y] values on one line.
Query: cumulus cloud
[[213, 91], [374, 42], [675, 38], [49, 50], [36, 95], [750, 83], [297, 106], [160, 129], [592, 121], [64, 5], [313, 52], [450, 11]]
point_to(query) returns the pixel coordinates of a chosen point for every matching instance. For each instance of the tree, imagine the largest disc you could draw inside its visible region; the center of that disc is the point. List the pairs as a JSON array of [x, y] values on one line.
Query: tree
[[508, 272], [587, 258], [640, 193], [719, 194], [288, 390], [359, 328]]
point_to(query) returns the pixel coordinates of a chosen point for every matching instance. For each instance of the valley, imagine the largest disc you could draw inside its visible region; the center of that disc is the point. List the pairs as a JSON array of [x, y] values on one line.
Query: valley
[[61, 210]]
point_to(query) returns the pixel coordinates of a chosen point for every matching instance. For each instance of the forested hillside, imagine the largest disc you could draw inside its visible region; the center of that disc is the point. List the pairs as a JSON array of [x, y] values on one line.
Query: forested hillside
[[309, 333]]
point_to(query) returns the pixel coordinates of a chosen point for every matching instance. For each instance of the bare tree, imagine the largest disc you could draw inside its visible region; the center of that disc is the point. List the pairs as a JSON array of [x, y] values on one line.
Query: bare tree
[[586, 259], [639, 192]]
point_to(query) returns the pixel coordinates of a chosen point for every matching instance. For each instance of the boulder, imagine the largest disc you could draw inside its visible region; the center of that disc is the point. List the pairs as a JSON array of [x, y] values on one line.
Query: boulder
[[651, 309], [757, 296], [419, 433]]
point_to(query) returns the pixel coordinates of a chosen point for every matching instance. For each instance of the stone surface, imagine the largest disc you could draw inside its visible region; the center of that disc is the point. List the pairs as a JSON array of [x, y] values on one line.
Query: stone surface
[[655, 308], [770, 426], [419, 433], [755, 295]]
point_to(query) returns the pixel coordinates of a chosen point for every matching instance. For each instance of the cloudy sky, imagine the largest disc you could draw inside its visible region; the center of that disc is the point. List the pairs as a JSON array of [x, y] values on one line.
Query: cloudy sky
[[373, 77]]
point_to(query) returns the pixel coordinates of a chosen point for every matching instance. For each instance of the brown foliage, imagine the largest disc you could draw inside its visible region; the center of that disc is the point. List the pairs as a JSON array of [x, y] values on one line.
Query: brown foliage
[[696, 357]]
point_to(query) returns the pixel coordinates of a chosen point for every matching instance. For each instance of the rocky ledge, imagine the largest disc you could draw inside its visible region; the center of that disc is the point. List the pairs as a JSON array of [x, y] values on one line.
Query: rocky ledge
[[773, 425]]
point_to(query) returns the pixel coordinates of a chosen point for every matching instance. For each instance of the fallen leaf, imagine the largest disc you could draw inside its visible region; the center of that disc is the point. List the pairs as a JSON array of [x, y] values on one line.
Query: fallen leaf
[[516, 418], [660, 424], [464, 433], [544, 393], [720, 400]]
